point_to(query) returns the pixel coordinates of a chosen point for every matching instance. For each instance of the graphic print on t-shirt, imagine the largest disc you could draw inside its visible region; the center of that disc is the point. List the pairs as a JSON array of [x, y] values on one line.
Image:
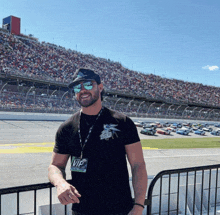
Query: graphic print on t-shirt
[[109, 132]]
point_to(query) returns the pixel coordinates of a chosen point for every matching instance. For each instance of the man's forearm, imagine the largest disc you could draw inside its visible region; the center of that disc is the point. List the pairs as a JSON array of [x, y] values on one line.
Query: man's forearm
[[139, 181], [56, 175]]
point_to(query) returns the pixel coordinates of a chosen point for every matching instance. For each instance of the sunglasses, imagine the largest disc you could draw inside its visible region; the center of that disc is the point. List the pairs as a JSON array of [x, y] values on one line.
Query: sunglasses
[[88, 85]]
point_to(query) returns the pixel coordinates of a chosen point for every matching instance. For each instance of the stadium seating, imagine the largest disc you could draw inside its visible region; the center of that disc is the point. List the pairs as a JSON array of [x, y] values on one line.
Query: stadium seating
[[29, 58]]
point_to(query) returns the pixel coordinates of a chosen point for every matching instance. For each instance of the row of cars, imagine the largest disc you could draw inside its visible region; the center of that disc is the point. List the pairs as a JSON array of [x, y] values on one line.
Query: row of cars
[[179, 128]]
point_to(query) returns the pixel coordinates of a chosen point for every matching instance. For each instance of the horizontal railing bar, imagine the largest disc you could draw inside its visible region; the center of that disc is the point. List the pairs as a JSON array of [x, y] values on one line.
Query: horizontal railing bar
[[165, 212], [26, 188], [182, 170], [190, 173], [189, 169], [165, 194]]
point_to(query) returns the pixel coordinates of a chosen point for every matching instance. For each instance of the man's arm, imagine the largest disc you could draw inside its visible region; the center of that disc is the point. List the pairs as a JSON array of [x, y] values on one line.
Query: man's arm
[[139, 175], [56, 173]]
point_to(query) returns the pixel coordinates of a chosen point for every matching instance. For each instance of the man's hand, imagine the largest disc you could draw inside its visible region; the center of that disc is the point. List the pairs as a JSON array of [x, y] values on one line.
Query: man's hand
[[67, 194], [136, 210], [56, 173]]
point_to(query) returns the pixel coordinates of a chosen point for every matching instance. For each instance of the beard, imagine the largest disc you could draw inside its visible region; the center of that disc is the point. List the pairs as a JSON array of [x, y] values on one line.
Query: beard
[[93, 97]]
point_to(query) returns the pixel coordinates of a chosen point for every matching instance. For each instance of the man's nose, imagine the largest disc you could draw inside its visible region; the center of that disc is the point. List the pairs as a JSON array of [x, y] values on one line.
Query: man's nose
[[82, 87]]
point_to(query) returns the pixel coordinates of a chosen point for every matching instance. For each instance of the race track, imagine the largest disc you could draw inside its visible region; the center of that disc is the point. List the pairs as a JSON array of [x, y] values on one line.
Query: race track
[[26, 146]]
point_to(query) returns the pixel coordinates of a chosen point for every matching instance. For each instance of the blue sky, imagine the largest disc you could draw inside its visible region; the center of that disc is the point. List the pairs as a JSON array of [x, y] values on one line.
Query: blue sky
[[170, 38]]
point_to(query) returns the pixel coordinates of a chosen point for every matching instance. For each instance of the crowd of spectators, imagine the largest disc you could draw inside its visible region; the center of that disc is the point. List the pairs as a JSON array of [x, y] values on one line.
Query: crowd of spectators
[[40, 60], [19, 101]]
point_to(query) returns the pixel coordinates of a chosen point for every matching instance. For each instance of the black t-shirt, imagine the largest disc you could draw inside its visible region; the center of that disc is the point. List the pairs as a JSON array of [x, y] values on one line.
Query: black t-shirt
[[105, 185]]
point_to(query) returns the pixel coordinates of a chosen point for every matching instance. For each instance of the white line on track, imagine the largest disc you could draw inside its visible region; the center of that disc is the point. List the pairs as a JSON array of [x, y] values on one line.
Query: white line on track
[[176, 156]]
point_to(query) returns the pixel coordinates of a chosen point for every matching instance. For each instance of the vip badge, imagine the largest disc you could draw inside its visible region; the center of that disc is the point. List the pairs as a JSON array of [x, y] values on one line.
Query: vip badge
[[79, 165]]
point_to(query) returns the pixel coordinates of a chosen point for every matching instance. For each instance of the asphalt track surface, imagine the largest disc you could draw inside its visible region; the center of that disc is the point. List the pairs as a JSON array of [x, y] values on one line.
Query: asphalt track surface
[[26, 146]]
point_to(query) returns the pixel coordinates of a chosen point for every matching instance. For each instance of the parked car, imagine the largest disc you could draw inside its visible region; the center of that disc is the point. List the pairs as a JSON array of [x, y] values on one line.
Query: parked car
[[138, 124], [187, 128], [200, 132], [163, 131], [171, 129], [205, 125], [173, 126], [147, 125], [189, 124], [154, 125], [215, 132], [200, 125], [182, 131], [207, 129], [194, 128], [217, 125], [150, 125], [159, 125], [176, 125], [166, 124], [148, 131]]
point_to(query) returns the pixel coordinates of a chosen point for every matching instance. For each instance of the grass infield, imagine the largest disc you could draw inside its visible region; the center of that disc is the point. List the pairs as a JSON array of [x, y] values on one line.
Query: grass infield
[[181, 143]]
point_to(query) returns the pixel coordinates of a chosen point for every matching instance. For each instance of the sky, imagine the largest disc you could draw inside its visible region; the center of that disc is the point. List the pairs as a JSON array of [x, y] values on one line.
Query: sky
[[177, 39]]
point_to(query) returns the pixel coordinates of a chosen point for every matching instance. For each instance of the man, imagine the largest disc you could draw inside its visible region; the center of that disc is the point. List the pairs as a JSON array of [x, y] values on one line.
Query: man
[[98, 140]]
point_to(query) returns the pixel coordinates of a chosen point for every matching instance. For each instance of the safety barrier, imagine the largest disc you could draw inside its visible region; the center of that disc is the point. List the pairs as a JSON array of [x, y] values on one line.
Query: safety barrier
[[185, 191], [180, 191], [31, 204]]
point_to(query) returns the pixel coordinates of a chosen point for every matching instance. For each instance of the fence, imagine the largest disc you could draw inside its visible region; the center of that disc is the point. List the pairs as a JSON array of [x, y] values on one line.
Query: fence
[[180, 191], [185, 191], [30, 204]]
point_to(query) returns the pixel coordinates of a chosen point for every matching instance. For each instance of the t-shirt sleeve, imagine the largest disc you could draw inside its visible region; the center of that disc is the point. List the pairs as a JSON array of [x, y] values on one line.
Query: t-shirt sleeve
[[62, 139], [130, 131]]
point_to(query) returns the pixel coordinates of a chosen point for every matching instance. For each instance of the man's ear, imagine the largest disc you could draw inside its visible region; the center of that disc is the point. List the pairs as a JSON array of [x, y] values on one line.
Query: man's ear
[[101, 87]]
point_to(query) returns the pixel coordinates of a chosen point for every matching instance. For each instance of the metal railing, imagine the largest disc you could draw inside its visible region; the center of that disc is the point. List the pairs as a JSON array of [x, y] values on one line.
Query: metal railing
[[186, 191], [24, 189]]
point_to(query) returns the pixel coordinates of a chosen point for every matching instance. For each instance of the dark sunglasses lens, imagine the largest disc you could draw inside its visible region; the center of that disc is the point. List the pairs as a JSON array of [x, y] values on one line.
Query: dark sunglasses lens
[[77, 88], [88, 85]]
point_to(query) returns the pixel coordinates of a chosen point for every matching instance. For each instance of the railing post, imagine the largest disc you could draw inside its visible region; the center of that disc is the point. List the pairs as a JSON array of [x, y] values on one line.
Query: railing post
[[0, 204], [210, 177], [161, 184], [178, 191], [169, 192], [194, 192], [216, 188], [187, 174], [65, 208], [35, 202], [50, 200], [17, 203], [202, 185]]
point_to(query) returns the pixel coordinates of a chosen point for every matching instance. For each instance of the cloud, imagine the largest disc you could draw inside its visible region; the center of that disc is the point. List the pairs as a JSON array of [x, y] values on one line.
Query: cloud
[[211, 68]]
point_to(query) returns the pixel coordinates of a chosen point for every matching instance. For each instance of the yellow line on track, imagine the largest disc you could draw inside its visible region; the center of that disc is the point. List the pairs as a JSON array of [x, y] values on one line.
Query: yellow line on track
[[26, 148], [34, 148], [148, 148]]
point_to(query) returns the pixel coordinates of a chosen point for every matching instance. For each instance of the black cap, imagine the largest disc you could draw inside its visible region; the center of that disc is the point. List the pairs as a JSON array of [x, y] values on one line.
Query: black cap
[[83, 74]]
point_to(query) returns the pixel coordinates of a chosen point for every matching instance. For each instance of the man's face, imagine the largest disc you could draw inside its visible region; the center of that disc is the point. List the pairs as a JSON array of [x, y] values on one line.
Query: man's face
[[87, 97]]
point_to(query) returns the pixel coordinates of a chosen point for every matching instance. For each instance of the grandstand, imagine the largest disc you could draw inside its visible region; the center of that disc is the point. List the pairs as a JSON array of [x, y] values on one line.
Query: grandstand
[[34, 77]]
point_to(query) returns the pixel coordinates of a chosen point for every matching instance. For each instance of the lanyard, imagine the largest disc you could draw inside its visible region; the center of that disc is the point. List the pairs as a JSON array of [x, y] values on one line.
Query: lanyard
[[89, 133]]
